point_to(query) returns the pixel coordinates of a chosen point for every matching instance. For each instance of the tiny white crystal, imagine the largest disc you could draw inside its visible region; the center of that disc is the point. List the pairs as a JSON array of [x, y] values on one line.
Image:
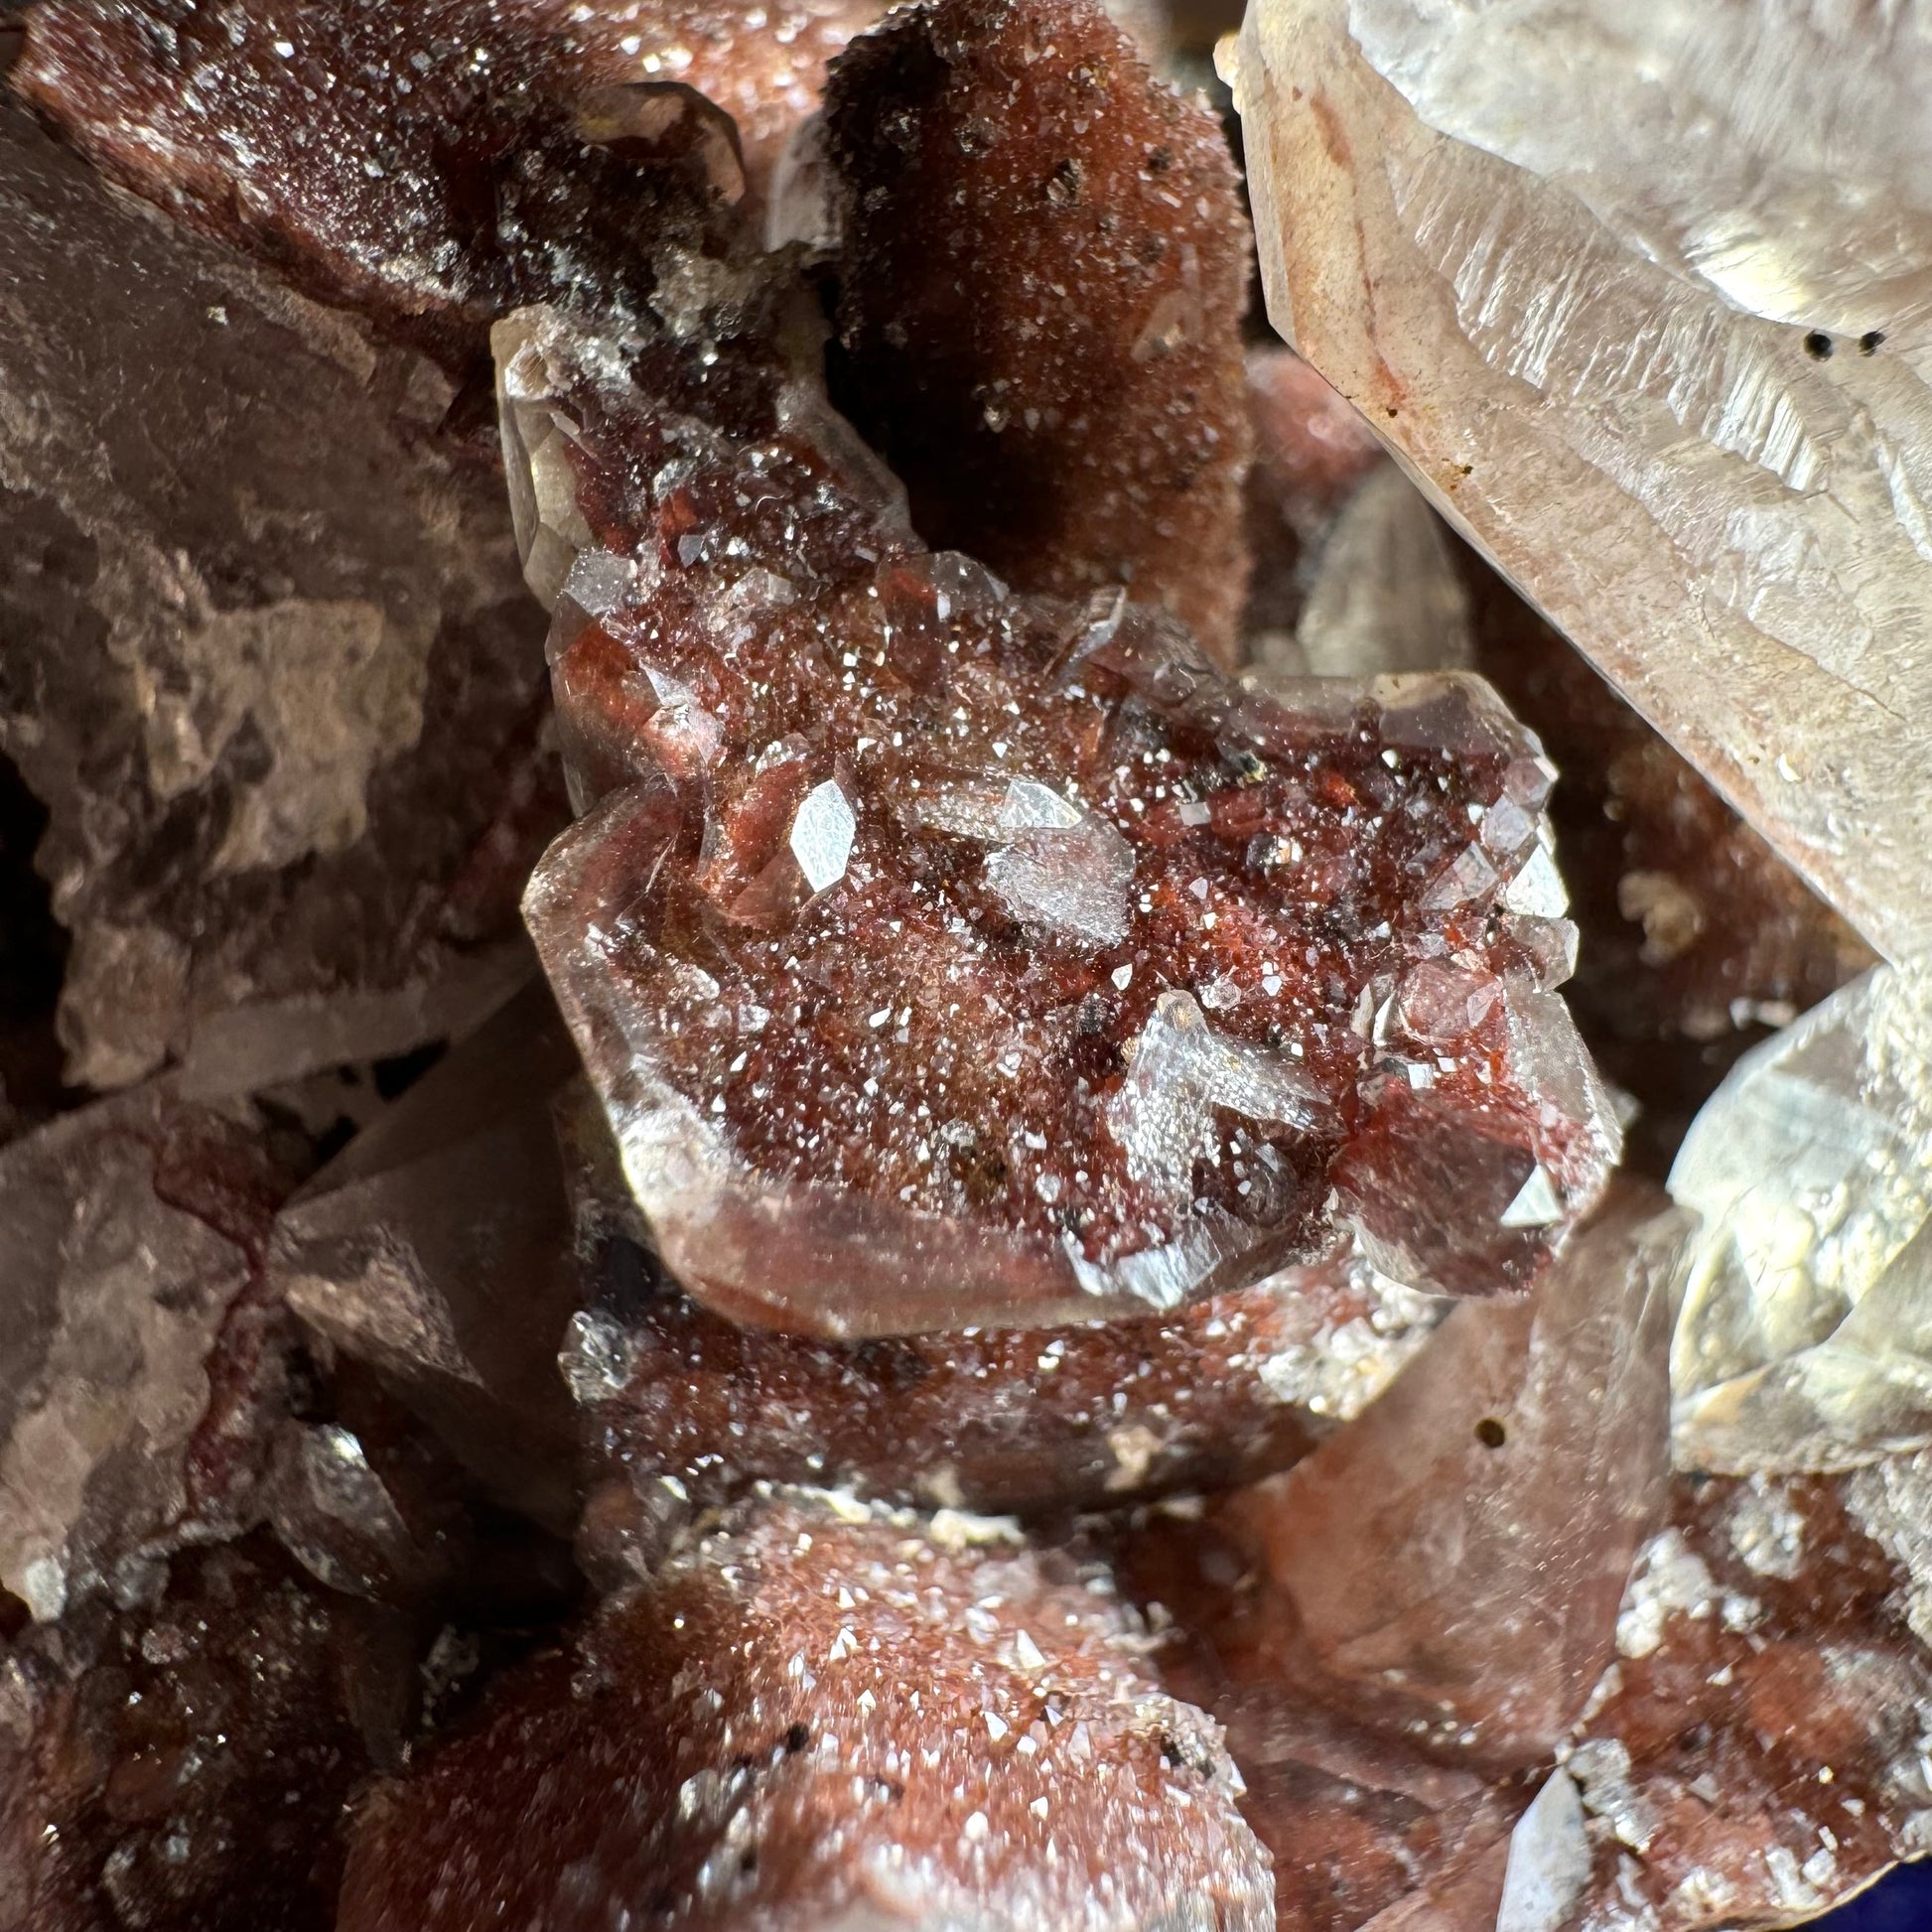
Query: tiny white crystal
[[822, 834], [1549, 1861]]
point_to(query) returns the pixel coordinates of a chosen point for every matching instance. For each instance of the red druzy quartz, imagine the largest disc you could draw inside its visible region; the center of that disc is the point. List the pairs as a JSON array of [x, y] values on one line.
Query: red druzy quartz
[[821, 1716], [946, 956]]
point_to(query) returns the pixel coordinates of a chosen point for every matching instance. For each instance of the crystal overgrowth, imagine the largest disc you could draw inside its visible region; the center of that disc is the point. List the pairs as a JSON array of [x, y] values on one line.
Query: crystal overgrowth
[[1805, 1336], [738, 1743], [1653, 273], [946, 956]]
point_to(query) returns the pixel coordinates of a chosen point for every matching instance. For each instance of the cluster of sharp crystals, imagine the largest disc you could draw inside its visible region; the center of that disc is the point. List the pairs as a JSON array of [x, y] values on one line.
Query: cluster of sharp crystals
[[1655, 273], [1001, 937]]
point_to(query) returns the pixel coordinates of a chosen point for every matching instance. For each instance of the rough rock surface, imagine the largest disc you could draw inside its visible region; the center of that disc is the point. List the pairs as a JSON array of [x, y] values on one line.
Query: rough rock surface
[[262, 653], [434, 165], [944, 956], [144, 1350], [1042, 273], [183, 1767], [739, 1742]]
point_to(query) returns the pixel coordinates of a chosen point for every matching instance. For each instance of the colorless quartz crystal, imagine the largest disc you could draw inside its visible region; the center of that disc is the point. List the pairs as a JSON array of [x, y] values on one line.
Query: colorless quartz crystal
[[1651, 276], [1805, 1336]]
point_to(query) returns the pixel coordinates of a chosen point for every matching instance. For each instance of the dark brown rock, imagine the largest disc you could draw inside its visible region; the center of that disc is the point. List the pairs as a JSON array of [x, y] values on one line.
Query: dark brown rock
[[262, 654], [183, 1767], [1043, 272]]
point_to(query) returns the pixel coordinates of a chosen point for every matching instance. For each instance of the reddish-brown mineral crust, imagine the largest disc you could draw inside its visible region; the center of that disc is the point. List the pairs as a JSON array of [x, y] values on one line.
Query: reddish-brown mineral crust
[[1759, 1752], [684, 1408], [434, 165], [1696, 936], [183, 1767], [1043, 272], [894, 950], [742, 1743]]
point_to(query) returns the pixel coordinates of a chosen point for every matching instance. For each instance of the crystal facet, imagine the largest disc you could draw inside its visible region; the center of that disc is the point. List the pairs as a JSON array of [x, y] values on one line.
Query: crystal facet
[[1102, 991], [1805, 1336], [1651, 273]]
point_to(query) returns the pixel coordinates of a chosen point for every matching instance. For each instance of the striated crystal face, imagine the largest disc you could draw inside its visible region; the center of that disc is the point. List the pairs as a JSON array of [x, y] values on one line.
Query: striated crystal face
[[1454, 1560], [1805, 1336], [1652, 273], [944, 955], [738, 1743]]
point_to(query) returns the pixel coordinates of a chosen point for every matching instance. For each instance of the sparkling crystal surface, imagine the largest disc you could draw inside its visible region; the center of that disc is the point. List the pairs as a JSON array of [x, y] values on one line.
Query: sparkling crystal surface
[[737, 1744], [185, 1768], [1043, 266], [1655, 273], [1805, 1336], [986, 1071]]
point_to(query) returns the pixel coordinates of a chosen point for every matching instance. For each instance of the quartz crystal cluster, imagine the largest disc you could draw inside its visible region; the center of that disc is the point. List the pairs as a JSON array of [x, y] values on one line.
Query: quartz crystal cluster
[[1032, 1313]]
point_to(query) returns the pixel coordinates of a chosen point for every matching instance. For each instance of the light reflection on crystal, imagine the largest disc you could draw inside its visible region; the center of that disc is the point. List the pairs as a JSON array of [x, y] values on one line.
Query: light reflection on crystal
[[1805, 1336]]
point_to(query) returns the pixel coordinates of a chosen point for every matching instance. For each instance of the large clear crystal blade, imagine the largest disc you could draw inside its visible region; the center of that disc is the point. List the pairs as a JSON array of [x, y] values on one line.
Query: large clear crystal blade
[[1642, 295]]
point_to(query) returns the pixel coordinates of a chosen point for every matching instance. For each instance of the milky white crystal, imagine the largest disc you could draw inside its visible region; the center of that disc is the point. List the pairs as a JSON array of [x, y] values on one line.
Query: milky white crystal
[[1642, 294], [1805, 1340]]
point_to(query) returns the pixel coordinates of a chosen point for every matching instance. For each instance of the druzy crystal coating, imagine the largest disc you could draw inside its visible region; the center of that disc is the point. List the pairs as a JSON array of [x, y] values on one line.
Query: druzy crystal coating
[[945, 955]]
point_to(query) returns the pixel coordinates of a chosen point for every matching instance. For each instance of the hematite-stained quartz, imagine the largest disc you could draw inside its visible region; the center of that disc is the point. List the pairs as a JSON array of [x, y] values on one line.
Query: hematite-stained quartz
[[184, 1768], [1042, 268], [740, 1742], [946, 956]]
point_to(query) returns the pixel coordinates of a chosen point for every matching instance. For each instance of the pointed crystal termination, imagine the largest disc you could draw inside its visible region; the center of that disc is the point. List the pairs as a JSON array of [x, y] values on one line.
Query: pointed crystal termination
[[1456, 1557], [436, 1250], [1805, 1341], [987, 151], [945, 957], [1655, 272], [739, 1743]]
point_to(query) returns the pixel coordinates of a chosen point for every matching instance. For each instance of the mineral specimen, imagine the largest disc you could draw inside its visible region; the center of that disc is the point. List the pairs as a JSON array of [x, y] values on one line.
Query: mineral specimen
[[1805, 1336], [141, 1341], [1453, 1563], [262, 653], [1647, 272], [437, 1249], [1042, 271], [683, 1408], [1694, 937], [184, 1768], [434, 165], [946, 956], [739, 1743]]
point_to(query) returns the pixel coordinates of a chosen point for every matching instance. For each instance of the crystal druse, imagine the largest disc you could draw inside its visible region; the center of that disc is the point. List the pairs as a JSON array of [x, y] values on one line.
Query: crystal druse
[[1032, 1313]]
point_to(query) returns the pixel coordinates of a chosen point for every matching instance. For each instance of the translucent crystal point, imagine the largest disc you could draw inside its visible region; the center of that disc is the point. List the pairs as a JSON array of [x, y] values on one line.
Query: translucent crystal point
[[1638, 291], [1805, 1336], [1456, 1556]]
